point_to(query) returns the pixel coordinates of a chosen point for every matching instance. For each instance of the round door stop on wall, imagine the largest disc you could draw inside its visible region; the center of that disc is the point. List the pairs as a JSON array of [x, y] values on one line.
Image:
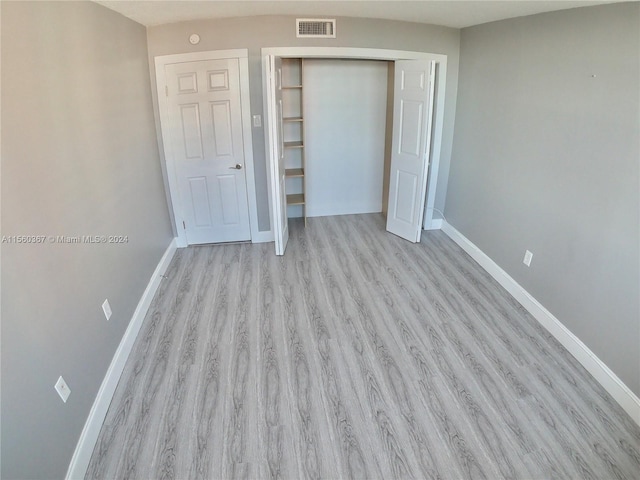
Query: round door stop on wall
[[194, 39]]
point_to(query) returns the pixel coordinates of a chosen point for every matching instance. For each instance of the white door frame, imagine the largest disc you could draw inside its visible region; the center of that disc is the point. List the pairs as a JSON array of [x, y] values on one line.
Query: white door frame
[[242, 55], [368, 54]]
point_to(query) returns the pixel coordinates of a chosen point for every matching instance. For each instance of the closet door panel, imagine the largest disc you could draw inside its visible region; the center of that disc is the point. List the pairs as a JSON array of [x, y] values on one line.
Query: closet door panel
[[411, 143]]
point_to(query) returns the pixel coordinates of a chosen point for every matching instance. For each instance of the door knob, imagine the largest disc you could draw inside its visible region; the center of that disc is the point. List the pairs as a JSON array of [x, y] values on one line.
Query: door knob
[[237, 167]]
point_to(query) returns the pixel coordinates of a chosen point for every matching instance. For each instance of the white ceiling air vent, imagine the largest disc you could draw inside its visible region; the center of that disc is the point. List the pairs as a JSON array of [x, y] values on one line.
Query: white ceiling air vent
[[315, 28]]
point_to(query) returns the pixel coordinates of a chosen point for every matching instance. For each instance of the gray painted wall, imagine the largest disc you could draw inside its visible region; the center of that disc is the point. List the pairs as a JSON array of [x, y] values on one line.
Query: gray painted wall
[[79, 157], [255, 33], [546, 158]]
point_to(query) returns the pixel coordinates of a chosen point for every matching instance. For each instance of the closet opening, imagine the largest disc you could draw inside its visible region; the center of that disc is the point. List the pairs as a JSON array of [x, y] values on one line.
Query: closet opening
[[349, 134], [336, 117]]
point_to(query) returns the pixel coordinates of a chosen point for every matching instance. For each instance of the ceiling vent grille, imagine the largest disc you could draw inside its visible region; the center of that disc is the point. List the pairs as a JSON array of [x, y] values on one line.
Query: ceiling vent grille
[[315, 28]]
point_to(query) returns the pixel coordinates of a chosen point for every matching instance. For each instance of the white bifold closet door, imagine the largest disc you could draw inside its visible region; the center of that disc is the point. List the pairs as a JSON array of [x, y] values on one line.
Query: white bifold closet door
[[276, 144], [414, 84]]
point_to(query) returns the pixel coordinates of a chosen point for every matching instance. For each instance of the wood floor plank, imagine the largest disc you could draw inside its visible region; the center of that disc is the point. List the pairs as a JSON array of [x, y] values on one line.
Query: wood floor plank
[[240, 455], [275, 421], [384, 352], [356, 355], [310, 421], [179, 397], [206, 409], [140, 438], [350, 431], [168, 395], [368, 379]]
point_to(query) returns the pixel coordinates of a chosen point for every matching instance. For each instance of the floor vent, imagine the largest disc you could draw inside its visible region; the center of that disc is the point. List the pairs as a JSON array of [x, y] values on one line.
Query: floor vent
[[315, 28]]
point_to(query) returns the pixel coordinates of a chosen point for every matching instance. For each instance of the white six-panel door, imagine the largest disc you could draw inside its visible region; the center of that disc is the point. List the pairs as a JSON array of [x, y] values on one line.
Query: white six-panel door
[[205, 132], [411, 142]]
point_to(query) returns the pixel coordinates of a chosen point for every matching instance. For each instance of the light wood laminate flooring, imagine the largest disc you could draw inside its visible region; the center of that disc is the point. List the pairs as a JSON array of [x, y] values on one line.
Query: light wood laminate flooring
[[356, 355]]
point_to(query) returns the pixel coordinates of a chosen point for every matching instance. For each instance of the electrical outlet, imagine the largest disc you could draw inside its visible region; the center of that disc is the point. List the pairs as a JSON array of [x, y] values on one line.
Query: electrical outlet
[[527, 258], [106, 308], [63, 389], [257, 121]]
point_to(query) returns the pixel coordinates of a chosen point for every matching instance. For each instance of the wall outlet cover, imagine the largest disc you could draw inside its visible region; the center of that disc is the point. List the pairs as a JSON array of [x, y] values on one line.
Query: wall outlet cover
[[63, 389], [527, 258], [106, 308]]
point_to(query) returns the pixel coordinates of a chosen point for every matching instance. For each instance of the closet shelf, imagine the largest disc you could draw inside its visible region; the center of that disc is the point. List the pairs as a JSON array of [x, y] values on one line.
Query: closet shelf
[[294, 172], [295, 199], [292, 96]]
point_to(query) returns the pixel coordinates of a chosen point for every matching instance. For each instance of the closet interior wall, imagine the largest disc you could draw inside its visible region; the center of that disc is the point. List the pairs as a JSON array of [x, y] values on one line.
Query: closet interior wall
[[337, 135]]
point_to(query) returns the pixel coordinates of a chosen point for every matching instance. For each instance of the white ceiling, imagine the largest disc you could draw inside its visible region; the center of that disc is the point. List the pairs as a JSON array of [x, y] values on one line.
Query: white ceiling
[[450, 13]]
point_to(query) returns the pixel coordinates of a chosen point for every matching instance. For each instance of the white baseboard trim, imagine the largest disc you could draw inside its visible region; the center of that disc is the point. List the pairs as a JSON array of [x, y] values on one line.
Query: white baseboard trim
[[436, 224], [89, 436], [596, 367], [181, 242]]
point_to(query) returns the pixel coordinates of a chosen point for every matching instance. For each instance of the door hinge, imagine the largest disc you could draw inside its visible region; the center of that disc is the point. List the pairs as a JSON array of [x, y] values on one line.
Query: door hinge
[[184, 225], [166, 90]]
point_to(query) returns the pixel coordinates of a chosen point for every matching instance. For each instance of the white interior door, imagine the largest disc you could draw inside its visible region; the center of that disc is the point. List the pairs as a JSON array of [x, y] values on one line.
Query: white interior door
[[411, 144], [276, 153], [205, 132]]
